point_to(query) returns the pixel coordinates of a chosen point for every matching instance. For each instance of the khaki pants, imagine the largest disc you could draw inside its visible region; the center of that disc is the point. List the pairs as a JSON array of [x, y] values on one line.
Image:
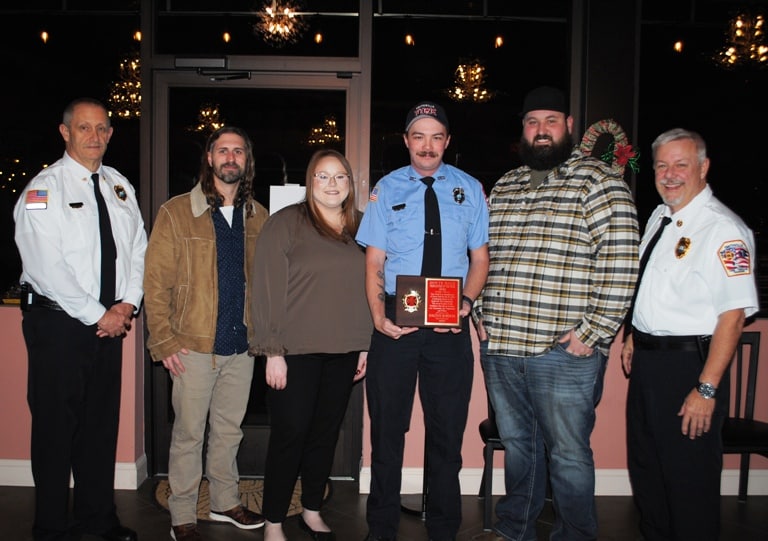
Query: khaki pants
[[214, 387]]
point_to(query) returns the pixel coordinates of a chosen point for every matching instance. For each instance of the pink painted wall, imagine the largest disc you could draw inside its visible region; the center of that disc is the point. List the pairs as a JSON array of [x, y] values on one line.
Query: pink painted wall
[[14, 414], [607, 442]]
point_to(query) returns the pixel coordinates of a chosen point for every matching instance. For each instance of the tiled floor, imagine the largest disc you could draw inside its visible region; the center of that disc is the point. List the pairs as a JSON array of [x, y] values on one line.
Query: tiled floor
[[345, 513]]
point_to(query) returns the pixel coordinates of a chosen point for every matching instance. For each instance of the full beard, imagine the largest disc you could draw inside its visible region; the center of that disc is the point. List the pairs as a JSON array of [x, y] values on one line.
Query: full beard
[[229, 176], [544, 158]]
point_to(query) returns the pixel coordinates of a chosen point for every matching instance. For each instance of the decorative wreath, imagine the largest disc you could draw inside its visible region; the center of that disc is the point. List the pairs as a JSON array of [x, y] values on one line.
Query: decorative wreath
[[619, 153]]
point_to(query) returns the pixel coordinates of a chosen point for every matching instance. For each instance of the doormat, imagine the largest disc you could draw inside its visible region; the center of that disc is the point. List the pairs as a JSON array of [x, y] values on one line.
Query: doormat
[[251, 494]]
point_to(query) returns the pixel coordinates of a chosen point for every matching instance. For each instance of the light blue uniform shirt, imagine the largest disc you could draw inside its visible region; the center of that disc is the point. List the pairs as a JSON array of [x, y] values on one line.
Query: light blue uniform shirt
[[394, 221]]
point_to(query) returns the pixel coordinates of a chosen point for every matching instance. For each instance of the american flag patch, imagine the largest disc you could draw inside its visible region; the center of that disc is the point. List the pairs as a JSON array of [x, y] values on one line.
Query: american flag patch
[[734, 256], [374, 194], [37, 199]]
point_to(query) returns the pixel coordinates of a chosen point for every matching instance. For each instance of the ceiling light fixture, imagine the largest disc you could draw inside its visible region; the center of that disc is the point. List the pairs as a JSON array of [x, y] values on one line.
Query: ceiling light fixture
[[468, 83], [328, 133], [125, 94], [278, 22], [745, 42], [208, 119]]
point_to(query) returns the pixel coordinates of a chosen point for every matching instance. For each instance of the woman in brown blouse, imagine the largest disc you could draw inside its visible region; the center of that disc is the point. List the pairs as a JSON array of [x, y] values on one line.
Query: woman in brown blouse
[[311, 320]]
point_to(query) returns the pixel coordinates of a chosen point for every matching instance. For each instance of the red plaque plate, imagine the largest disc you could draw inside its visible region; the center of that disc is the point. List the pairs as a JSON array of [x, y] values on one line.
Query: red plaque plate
[[428, 302]]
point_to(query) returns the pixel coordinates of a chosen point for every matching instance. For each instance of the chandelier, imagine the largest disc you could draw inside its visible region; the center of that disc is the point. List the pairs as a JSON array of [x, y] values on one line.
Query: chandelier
[[468, 82], [278, 22], [745, 44], [325, 134], [208, 119], [125, 94]]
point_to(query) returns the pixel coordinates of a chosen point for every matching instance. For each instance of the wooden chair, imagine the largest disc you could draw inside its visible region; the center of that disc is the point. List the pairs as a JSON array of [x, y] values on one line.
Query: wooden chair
[[742, 434]]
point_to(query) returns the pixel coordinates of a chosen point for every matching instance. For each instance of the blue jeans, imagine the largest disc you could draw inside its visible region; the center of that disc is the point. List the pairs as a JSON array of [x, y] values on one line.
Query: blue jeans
[[545, 413]]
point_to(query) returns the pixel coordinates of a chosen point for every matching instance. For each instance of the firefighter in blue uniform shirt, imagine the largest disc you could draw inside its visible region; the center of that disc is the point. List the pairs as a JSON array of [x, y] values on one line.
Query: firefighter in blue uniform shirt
[[393, 232]]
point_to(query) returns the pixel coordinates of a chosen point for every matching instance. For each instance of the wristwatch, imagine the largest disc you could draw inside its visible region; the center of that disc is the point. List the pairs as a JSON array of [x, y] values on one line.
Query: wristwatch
[[706, 390]]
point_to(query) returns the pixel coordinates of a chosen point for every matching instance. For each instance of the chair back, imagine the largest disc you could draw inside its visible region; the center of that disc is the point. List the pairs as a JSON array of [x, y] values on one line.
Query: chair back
[[743, 397]]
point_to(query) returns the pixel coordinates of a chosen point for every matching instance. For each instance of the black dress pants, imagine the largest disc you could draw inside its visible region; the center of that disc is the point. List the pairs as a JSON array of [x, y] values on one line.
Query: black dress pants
[[305, 419], [73, 391], [675, 480], [443, 365]]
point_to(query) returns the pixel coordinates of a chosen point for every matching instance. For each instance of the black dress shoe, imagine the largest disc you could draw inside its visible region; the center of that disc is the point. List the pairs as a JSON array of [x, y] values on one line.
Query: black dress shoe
[[120, 533], [317, 536], [371, 537]]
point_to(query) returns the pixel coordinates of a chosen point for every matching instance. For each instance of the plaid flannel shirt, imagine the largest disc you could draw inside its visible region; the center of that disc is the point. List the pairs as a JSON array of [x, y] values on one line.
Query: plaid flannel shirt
[[563, 256]]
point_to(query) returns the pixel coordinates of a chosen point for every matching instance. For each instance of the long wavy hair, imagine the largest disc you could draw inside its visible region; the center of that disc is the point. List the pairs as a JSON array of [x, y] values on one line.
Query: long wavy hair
[[212, 195], [350, 215]]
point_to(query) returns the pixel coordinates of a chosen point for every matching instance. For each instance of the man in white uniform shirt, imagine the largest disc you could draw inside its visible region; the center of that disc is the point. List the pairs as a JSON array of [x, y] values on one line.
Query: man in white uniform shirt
[[76, 312], [697, 290]]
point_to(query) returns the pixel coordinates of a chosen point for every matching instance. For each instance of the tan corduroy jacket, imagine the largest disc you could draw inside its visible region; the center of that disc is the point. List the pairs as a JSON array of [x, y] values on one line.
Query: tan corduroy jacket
[[180, 276]]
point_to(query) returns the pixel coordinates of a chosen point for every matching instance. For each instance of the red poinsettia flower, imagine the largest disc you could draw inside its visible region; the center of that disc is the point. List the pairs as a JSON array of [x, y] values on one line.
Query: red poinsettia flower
[[623, 154]]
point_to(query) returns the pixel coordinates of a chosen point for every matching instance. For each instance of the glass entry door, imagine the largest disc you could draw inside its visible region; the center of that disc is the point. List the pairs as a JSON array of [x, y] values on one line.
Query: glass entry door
[[287, 117]]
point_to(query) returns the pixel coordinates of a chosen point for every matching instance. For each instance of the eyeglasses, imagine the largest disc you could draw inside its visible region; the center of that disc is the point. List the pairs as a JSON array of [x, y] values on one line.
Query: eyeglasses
[[323, 178]]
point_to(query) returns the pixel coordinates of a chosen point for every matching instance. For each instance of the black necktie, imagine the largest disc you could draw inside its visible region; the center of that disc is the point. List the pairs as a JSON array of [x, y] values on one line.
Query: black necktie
[[431, 262], [644, 263], [108, 248]]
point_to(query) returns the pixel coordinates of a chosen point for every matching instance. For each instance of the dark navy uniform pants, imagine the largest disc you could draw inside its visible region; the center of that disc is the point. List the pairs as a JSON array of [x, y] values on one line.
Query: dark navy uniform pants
[[73, 390], [442, 363], [675, 480]]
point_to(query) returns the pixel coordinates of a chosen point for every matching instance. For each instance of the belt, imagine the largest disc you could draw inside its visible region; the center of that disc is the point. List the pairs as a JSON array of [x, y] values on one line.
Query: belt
[[45, 302], [643, 340]]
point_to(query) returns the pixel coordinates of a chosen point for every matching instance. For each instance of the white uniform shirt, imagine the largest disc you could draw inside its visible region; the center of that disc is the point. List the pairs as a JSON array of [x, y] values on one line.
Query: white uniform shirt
[[702, 266], [57, 233]]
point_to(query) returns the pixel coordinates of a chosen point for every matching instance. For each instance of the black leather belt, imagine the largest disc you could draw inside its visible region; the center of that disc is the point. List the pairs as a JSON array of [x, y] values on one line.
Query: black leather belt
[[643, 340], [45, 302]]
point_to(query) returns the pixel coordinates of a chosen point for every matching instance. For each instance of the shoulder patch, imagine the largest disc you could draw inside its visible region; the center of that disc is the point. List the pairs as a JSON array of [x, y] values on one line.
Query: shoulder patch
[[374, 194], [37, 199], [734, 256]]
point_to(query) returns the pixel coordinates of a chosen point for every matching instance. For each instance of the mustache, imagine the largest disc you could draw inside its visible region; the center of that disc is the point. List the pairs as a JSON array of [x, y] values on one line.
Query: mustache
[[669, 182], [427, 153]]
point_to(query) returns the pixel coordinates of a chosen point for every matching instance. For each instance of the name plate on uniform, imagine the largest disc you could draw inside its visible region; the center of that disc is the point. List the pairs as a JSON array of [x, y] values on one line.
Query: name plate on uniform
[[428, 302]]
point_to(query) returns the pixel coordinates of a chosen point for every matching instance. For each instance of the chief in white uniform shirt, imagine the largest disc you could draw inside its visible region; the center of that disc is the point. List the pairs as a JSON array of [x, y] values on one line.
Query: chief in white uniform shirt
[[74, 339], [694, 297]]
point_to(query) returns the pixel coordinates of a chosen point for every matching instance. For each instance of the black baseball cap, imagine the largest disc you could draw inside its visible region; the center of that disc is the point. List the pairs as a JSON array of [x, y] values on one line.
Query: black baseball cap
[[426, 109]]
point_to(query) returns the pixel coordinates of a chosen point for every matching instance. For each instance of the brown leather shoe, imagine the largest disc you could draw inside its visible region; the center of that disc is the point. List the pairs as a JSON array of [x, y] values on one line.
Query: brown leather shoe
[[240, 516], [185, 532]]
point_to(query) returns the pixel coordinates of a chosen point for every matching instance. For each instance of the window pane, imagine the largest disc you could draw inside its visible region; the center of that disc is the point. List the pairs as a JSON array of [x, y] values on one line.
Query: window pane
[[279, 122]]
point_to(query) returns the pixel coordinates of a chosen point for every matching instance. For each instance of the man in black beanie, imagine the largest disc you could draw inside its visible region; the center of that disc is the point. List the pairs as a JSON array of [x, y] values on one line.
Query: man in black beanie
[[563, 245]]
